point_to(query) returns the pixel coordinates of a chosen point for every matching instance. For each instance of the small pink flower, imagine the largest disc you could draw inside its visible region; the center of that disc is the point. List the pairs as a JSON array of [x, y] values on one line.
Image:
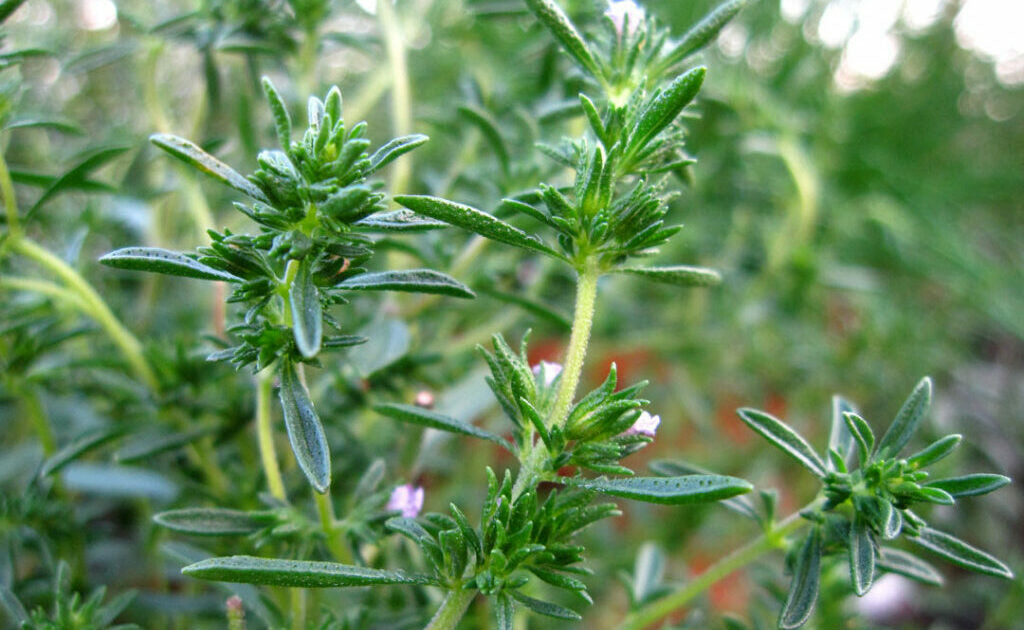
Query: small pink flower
[[547, 372], [407, 499], [619, 11], [645, 424]]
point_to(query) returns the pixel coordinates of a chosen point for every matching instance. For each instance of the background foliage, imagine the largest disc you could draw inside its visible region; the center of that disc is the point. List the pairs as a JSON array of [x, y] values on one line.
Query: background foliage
[[867, 230]]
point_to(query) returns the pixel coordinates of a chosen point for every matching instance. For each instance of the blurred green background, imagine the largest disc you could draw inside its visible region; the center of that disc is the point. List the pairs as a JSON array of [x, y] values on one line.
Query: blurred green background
[[860, 185]]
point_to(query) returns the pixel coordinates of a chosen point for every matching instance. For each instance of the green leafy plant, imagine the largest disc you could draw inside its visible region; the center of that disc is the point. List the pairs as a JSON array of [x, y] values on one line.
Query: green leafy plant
[[564, 135]]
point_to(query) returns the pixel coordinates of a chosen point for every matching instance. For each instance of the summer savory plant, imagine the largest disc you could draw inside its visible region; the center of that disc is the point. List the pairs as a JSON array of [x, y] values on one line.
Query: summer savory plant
[[316, 255]]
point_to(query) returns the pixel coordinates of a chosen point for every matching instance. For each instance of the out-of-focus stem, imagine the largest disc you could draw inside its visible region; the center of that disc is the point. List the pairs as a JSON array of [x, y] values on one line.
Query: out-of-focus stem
[[401, 103], [265, 433]]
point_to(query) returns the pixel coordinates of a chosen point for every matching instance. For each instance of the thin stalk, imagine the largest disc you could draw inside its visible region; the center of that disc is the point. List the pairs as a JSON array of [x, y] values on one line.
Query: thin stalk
[[401, 103], [583, 320], [452, 609], [766, 542], [93, 305], [40, 422], [10, 201], [265, 434], [328, 523], [298, 606], [43, 287]]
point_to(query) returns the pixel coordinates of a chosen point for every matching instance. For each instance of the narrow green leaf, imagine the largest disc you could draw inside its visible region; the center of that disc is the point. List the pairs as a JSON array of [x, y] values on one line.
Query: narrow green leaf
[[305, 432], [473, 220], [91, 439], [16, 611], [892, 521], [803, 590], [960, 553], [504, 611], [535, 307], [674, 468], [398, 221], [282, 121], [434, 420], [861, 556], [214, 521], [409, 280], [668, 490], [935, 451], [678, 275], [156, 260], [784, 437], [909, 416], [970, 485], [192, 155], [307, 312], [59, 124], [665, 107], [648, 572], [79, 173], [840, 438], [903, 563], [393, 150], [489, 128], [704, 31], [556, 21], [300, 573], [862, 434], [934, 495], [545, 608]]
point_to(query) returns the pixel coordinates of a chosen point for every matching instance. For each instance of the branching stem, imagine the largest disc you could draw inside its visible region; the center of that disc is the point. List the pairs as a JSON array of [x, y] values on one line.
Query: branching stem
[[772, 539], [452, 609]]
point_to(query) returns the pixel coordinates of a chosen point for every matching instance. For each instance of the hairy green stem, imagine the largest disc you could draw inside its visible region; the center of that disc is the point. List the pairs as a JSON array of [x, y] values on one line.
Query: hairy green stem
[[328, 523], [452, 609], [534, 455], [583, 320], [766, 542], [94, 306], [265, 434]]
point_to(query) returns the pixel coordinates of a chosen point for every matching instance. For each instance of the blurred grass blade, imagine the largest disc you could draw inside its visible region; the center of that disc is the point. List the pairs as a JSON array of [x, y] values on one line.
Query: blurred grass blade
[[91, 439], [214, 521]]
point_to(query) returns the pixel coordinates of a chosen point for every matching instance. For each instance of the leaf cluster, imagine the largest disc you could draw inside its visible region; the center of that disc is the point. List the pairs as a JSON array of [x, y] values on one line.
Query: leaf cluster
[[868, 492]]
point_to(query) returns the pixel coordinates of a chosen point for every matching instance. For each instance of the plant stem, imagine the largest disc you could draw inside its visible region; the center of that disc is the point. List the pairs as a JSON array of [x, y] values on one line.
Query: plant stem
[[452, 609], [327, 522], [265, 433], [10, 201], [583, 320], [40, 422], [768, 541], [401, 105], [94, 306], [298, 606]]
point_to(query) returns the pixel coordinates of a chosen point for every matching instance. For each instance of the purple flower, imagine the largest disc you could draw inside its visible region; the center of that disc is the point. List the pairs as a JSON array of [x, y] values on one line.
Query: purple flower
[[547, 372], [625, 13], [407, 499], [645, 424]]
